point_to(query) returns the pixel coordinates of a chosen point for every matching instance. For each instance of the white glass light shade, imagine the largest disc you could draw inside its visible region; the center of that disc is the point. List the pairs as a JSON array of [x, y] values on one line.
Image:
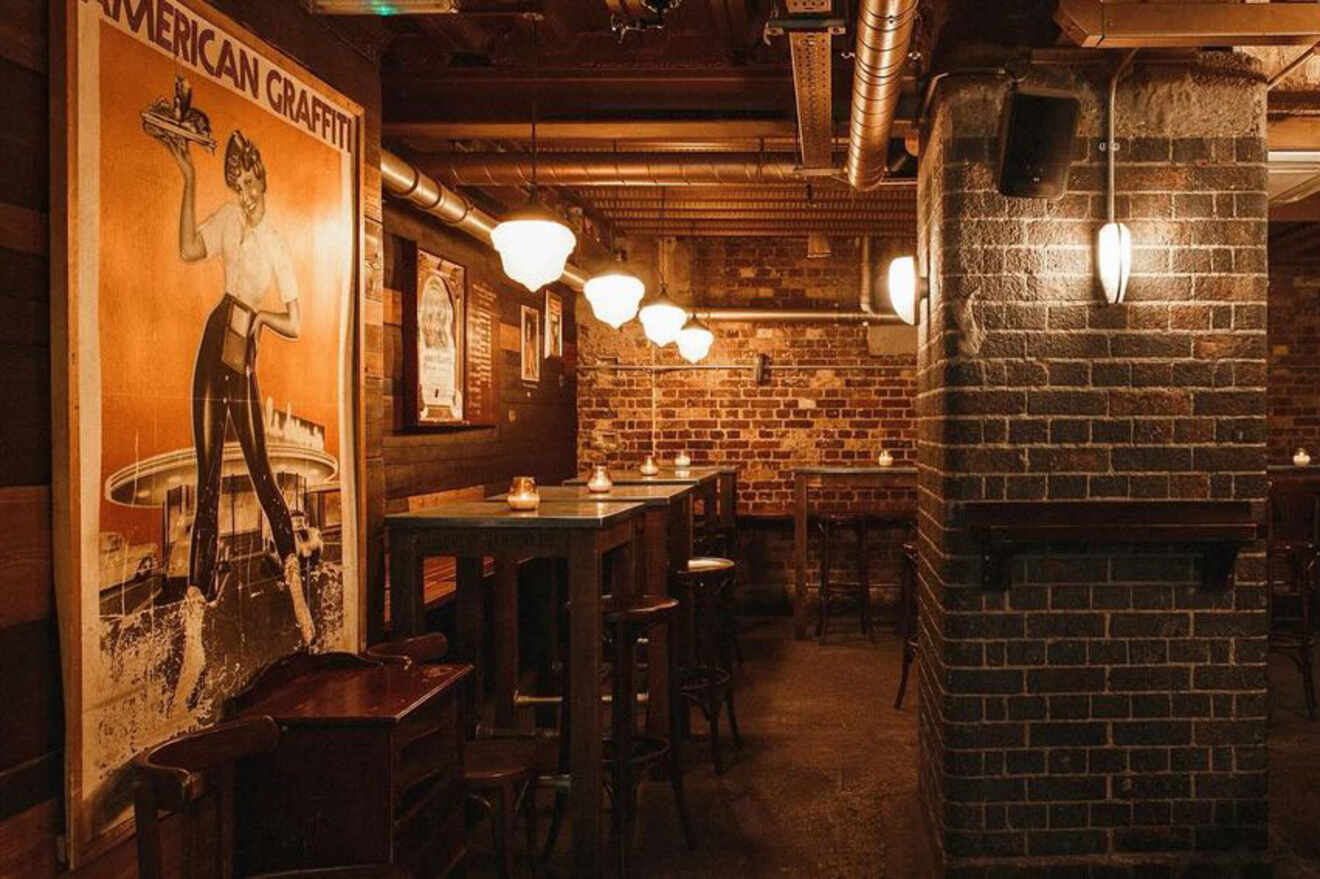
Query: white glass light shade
[[662, 319], [903, 288], [694, 341], [533, 245], [1113, 260], [614, 295]]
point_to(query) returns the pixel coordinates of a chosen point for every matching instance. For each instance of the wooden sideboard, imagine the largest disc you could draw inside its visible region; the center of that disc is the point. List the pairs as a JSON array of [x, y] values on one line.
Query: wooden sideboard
[[369, 769]]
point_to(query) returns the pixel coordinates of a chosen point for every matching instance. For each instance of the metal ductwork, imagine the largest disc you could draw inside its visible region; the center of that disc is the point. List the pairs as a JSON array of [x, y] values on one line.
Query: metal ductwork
[[613, 169], [401, 180], [884, 32], [1187, 23]]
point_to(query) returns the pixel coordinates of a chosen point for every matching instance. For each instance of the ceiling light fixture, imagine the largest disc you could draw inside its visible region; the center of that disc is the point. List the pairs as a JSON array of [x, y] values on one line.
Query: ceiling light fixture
[[614, 293], [533, 243], [694, 340]]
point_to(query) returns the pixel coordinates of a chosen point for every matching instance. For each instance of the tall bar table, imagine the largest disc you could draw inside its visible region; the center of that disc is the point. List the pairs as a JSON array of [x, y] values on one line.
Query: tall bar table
[[707, 483], [580, 531], [666, 546], [805, 478]]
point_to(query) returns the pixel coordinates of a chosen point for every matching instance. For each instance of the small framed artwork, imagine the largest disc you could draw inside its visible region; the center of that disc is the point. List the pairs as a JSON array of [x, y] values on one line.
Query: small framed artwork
[[434, 328], [554, 325], [530, 350]]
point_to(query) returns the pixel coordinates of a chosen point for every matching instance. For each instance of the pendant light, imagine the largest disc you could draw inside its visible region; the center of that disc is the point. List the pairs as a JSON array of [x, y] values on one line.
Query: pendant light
[[533, 243], [661, 318], [615, 292], [694, 340]]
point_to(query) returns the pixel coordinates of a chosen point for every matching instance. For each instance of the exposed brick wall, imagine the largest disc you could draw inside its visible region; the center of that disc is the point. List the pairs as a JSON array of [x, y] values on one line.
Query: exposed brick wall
[[825, 401], [843, 413], [1294, 343], [1105, 708]]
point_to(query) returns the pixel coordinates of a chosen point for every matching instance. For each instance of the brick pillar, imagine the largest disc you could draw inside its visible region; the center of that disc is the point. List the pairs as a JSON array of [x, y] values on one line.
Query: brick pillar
[[1105, 708]]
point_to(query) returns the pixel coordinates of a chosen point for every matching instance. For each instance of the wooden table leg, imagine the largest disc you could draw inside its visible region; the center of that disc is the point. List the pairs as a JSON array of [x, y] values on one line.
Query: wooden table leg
[[407, 610], [655, 552], [800, 557], [504, 625], [584, 684]]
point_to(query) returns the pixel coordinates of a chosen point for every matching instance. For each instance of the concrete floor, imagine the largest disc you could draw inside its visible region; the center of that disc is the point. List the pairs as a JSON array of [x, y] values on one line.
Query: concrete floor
[[826, 783]]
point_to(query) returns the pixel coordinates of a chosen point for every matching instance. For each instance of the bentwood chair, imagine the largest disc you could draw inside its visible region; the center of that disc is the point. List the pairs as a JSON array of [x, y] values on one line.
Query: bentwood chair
[[193, 777]]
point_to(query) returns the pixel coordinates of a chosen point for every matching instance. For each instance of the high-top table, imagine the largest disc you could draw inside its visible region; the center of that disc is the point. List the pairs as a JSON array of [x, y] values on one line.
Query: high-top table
[[666, 545], [582, 532], [805, 478], [715, 487]]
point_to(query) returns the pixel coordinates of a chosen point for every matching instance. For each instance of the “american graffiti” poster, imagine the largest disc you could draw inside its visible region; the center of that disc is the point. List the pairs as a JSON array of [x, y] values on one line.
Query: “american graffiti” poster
[[206, 427]]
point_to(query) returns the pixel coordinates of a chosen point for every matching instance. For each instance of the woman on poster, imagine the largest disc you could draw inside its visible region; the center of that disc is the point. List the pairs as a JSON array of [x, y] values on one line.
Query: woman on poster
[[254, 257]]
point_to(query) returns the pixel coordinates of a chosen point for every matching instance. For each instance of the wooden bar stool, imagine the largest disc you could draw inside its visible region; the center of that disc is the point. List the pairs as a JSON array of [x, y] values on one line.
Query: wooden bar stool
[[626, 621], [499, 772], [706, 673], [907, 617], [830, 590], [177, 775]]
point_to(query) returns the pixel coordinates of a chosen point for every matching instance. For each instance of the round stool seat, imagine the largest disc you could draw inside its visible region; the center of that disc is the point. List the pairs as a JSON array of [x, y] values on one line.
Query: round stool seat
[[709, 565], [492, 762], [638, 609]]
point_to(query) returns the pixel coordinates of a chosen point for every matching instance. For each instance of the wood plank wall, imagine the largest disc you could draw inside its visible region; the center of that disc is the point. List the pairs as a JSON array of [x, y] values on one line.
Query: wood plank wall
[[537, 428], [31, 722]]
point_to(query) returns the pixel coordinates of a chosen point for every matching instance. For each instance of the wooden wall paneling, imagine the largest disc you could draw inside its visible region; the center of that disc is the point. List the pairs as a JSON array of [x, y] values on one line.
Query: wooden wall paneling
[[25, 561]]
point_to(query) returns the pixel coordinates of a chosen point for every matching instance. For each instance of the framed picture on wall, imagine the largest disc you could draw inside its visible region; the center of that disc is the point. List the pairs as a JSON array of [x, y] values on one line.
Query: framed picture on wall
[[434, 333], [554, 325], [206, 421], [530, 349]]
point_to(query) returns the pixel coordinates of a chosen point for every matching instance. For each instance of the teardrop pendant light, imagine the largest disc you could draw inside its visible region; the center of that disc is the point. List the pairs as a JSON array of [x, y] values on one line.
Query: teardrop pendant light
[[533, 243], [694, 341], [661, 318], [615, 292]]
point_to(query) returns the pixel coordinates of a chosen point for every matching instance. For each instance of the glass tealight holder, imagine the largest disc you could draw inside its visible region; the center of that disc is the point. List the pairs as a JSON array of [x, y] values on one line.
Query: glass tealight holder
[[682, 461], [600, 481], [649, 467], [1301, 458], [522, 494], [884, 459]]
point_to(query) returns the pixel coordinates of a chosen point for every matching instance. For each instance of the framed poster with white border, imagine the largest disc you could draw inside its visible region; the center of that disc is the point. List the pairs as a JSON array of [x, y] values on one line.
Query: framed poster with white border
[[554, 325], [207, 278], [529, 350], [434, 333]]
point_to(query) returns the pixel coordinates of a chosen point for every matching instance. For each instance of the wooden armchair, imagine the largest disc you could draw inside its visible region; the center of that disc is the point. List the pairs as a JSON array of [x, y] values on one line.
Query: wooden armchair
[[178, 775]]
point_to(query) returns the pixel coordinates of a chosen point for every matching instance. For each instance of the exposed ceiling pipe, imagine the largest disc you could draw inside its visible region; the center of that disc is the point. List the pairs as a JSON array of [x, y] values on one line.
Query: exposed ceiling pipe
[[1189, 23], [884, 32], [865, 292], [613, 169], [403, 181], [790, 315]]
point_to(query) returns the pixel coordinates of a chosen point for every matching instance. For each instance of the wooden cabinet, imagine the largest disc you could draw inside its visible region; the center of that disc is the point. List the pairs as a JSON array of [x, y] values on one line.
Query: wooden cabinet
[[369, 769]]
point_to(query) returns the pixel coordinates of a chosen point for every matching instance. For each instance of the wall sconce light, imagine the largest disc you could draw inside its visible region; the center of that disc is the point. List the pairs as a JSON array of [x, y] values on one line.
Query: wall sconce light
[[907, 290], [1113, 260]]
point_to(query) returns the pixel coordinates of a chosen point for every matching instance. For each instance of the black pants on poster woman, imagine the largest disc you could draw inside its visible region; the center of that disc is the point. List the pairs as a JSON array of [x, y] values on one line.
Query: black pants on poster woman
[[225, 391]]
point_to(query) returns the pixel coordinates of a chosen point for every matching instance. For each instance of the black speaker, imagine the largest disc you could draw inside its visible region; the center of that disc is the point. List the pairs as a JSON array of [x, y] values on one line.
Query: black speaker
[[1036, 142]]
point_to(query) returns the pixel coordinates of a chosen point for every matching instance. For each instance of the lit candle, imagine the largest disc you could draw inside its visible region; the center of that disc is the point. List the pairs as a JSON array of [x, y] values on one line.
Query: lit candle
[[885, 459], [1300, 458], [600, 481], [649, 467], [523, 494], [682, 461]]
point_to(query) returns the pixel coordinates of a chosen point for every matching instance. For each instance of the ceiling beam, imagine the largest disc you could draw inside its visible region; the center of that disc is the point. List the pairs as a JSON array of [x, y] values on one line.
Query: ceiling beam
[[594, 129], [1098, 24]]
